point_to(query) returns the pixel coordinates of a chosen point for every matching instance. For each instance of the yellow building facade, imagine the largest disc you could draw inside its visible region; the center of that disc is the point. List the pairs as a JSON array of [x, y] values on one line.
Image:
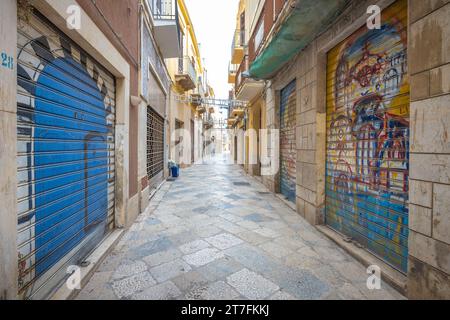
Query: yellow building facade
[[189, 86]]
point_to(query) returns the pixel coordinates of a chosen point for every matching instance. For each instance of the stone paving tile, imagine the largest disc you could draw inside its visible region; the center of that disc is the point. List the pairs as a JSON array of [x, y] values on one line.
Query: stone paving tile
[[149, 248], [296, 260], [252, 285], [201, 233], [249, 225], [275, 249], [170, 270], [233, 196], [215, 291], [302, 284], [281, 295], [273, 225], [252, 258], [230, 227], [203, 257], [128, 268], [331, 254], [220, 269], [194, 246], [230, 217], [162, 257], [183, 238], [152, 221], [252, 237], [255, 217], [131, 285], [266, 232], [208, 231], [308, 252], [163, 291], [191, 280], [347, 292], [328, 274], [111, 262], [224, 241], [289, 241], [98, 288]]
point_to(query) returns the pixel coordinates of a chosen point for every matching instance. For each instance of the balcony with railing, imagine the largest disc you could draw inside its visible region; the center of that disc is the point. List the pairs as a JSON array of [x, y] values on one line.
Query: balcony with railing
[[197, 96], [208, 121], [167, 27], [246, 88], [232, 70], [237, 46], [186, 76], [266, 20]]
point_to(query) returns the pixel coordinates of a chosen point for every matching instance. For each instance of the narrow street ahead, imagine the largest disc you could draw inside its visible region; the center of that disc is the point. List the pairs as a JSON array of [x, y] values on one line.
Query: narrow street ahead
[[217, 234]]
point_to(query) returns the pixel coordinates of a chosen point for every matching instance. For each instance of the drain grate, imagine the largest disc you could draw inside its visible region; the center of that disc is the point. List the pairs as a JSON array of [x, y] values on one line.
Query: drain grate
[[263, 192], [241, 184]]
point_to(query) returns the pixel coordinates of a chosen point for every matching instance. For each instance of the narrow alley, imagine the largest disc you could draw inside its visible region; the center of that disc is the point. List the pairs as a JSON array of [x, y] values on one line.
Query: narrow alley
[[224, 150], [216, 234]]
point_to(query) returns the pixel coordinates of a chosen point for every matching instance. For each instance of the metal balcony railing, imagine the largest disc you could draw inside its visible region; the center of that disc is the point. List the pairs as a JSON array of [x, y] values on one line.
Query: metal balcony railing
[[238, 40], [208, 120], [186, 66], [164, 9], [242, 68], [232, 68]]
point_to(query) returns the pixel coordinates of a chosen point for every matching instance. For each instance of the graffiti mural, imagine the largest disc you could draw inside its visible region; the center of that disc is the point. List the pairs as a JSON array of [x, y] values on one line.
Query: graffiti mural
[[288, 152], [368, 137], [65, 119]]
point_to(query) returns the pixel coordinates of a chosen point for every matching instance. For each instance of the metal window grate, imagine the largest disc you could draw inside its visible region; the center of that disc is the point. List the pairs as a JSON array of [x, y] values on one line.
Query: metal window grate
[[155, 143]]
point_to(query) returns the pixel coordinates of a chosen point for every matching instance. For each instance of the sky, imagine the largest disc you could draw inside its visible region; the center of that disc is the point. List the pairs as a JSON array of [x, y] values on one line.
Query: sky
[[214, 23]]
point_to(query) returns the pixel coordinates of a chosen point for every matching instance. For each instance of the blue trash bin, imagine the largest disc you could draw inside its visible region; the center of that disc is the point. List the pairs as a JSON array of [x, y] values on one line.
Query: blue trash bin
[[175, 171]]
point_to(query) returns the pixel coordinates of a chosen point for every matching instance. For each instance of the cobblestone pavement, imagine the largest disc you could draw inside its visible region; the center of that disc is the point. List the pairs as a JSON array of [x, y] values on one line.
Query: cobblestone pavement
[[217, 234]]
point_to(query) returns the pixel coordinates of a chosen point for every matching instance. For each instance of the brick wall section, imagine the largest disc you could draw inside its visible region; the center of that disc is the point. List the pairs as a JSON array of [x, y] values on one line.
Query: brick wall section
[[429, 67]]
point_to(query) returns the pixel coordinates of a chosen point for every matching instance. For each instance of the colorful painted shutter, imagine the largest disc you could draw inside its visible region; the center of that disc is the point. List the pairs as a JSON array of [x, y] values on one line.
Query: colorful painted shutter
[[65, 120], [368, 138], [288, 152]]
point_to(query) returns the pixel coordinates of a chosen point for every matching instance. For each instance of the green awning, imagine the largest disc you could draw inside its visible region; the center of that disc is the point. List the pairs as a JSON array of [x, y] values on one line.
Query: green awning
[[305, 22]]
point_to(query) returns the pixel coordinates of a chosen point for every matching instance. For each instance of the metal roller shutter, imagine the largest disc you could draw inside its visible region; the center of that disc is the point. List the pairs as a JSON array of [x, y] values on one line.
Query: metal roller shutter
[[65, 120], [288, 152], [155, 146], [368, 138]]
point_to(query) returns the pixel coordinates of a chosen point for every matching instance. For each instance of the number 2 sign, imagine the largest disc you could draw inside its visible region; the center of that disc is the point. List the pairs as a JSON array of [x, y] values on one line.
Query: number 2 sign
[[7, 61]]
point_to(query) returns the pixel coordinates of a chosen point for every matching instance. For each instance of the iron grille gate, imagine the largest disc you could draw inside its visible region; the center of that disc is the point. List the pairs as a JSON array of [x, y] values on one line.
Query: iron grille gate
[[155, 146], [288, 152], [368, 138], [65, 121]]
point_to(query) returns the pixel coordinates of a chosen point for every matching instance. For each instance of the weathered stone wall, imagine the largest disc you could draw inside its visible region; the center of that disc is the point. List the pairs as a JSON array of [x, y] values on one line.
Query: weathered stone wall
[[429, 70], [429, 215]]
